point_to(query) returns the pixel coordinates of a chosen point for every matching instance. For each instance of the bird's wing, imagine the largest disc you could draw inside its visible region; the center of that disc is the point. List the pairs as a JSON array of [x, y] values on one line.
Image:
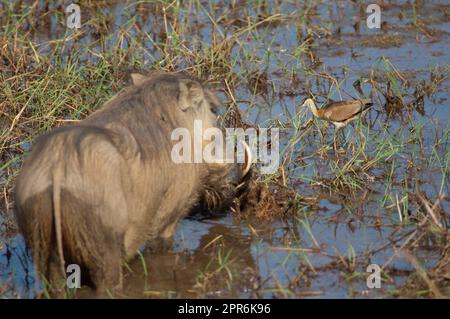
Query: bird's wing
[[343, 110]]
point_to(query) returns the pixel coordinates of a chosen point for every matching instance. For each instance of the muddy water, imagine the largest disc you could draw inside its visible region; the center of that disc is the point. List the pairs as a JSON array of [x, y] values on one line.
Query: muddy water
[[298, 255]]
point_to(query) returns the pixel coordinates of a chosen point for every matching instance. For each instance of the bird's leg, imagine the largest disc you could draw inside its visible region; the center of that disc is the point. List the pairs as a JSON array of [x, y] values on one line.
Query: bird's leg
[[334, 143], [361, 135], [343, 136], [351, 139], [336, 132]]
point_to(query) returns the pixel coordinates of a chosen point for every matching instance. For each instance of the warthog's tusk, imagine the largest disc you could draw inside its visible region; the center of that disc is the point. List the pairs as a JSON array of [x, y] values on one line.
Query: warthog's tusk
[[248, 160]]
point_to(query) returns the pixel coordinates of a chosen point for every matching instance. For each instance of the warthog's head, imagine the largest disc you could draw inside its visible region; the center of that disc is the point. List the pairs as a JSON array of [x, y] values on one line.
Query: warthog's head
[[192, 96]]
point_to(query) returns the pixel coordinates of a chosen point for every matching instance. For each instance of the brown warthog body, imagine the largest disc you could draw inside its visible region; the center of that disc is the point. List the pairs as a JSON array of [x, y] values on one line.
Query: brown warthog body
[[92, 193]]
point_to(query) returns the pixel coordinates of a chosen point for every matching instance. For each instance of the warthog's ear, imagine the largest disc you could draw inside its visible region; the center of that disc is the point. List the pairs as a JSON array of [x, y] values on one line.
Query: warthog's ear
[[138, 79], [191, 94]]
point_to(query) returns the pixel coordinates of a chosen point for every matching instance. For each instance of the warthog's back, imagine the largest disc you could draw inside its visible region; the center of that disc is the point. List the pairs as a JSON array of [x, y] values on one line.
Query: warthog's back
[[86, 158]]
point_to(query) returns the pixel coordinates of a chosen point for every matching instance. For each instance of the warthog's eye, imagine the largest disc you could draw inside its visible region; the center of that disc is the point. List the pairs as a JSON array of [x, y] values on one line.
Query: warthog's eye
[[213, 102], [214, 110]]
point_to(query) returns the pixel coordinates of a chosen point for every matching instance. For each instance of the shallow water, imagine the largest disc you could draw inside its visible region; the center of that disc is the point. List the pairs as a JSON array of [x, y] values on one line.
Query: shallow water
[[295, 256]]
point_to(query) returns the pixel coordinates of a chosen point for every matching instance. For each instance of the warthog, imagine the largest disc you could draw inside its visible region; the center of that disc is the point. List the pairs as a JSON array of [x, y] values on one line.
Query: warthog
[[92, 193]]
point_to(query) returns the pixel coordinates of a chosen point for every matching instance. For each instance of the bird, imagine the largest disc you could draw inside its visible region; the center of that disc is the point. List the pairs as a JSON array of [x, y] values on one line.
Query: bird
[[339, 113]]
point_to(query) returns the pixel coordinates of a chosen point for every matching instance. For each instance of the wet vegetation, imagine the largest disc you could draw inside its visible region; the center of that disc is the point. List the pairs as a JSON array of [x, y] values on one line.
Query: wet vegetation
[[308, 230]]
